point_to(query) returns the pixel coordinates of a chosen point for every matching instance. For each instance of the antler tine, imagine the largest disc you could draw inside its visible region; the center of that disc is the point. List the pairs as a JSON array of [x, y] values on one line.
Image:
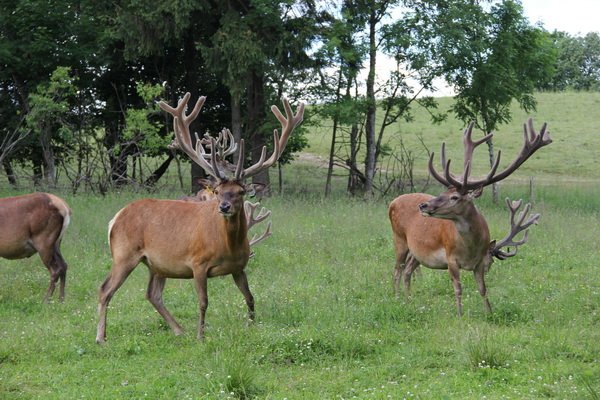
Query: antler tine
[[256, 239], [532, 142], [250, 208], [461, 184], [436, 175], [183, 139], [516, 226], [226, 143], [288, 124]]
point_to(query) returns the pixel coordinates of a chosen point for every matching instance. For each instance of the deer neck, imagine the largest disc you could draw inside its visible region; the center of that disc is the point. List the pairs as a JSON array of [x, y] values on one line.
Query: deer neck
[[471, 225], [236, 229]]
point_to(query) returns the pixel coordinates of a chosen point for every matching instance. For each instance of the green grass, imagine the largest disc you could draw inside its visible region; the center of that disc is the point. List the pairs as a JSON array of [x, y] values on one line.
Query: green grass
[[328, 323]]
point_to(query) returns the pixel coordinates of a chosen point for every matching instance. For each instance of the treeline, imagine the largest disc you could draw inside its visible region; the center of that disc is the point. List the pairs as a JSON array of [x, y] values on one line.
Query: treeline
[[79, 80]]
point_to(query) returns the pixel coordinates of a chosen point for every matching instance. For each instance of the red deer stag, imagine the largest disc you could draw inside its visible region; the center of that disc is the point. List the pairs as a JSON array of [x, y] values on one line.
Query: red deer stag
[[190, 240], [457, 237], [35, 223]]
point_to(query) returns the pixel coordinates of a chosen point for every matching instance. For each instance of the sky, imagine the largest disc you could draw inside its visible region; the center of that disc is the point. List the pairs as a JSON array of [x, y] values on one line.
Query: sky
[[576, 17]]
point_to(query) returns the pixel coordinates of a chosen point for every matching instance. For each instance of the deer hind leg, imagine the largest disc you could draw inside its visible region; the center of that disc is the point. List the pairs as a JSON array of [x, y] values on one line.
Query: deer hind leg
[[480, 279], [52, 259], [154, 296], [455, 276], [116, 277], [241, 280]]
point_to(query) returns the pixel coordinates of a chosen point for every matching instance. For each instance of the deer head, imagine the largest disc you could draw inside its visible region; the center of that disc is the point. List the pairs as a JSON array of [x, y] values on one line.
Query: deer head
[[229, 189]]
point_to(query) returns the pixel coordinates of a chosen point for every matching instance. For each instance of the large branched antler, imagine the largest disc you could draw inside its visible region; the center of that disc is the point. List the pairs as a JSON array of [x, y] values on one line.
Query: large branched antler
[[532, 142], [224, 145], [288, 123], [183, 138], [517, 225], [249, 209]]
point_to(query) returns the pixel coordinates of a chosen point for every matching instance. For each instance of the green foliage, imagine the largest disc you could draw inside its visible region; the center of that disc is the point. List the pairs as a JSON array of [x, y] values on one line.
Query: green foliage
[[51, 103], [490, 58], [140, 128], [577, 64], [52, 110]]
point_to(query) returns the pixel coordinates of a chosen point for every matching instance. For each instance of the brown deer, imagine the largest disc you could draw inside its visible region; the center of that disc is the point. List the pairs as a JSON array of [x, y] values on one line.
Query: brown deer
[[448, 231], [35, 223], [190, 240]]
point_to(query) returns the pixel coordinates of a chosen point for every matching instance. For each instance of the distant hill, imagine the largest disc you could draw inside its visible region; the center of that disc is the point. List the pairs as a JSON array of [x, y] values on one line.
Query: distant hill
[[573, 121]]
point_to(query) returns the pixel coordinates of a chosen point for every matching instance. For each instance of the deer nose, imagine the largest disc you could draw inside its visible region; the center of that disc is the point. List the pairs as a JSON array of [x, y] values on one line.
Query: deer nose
[[225, 207], [422, 206]]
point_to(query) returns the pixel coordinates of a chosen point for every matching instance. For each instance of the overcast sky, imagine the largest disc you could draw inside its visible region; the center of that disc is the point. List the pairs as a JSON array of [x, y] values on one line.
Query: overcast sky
[[576, 17]]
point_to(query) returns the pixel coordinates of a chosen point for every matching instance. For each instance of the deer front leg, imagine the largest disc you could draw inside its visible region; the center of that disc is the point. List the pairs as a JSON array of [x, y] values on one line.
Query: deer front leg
[[201, 286], [480, 279], [454, 272], [241, 280]]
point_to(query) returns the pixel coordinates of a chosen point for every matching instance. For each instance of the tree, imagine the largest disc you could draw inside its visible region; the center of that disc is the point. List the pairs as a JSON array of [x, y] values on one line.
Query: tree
[[35, 38], [258, 47], [490, 58], [50, 118], [577, 64]]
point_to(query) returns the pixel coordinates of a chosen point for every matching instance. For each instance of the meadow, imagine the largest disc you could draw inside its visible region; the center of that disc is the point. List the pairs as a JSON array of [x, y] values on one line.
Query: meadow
[[329, 325]]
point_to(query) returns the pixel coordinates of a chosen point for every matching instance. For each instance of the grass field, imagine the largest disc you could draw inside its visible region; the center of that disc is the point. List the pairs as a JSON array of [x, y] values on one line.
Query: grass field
[[328, 323]]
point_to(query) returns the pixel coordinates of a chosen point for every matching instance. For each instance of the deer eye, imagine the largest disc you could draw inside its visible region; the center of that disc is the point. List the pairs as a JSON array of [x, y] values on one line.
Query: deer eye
[[454, 197]]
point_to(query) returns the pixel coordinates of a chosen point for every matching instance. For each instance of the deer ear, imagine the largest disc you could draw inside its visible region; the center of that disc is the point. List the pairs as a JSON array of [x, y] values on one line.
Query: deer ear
[[492, 245], [206, 183], [475, 193], [253, 188]]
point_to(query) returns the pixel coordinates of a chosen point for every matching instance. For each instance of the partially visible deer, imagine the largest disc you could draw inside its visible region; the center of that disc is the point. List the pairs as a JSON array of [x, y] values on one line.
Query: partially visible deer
[[448, 231], [35, 223], [190, 240]]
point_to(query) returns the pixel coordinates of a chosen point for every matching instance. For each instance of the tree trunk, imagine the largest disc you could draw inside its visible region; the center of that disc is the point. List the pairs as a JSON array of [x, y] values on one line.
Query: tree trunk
[[10, 172], [48, 158], [236, 121], [371, 108], [159, 172], [256, 117], [190, 57], [495, 186], [333, 136], [112, 142]]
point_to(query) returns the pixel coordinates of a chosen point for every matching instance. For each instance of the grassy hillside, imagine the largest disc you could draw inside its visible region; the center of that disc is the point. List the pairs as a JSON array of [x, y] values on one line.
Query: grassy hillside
[[572, 121]]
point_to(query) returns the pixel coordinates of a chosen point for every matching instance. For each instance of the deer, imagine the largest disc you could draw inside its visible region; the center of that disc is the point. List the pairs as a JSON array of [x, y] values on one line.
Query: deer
[[448, 231], [191, 240], [36, 223]]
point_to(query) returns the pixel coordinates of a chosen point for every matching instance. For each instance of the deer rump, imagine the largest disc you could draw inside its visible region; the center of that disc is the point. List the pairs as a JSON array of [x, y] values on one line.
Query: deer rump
[[35, 223]]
